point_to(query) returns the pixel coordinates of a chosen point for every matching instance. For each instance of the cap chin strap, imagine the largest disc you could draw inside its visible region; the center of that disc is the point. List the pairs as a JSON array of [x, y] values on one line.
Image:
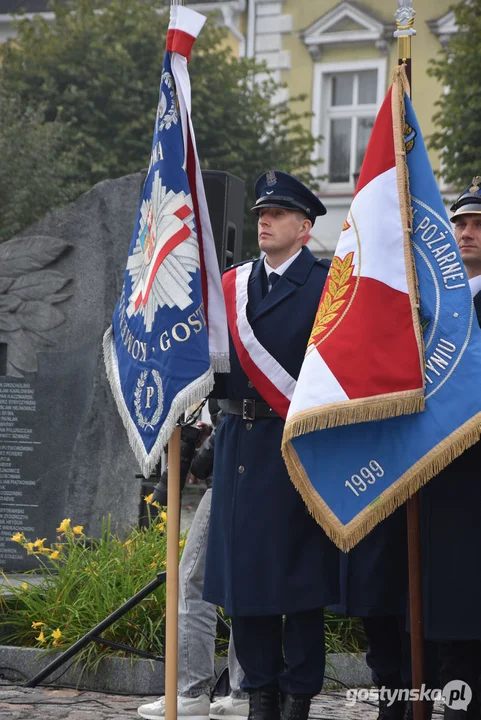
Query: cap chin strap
[[264, 201]]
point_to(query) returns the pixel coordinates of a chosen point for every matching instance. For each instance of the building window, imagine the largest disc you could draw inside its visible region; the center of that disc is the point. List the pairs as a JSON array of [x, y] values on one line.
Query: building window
[[346, 99], [351, 111]]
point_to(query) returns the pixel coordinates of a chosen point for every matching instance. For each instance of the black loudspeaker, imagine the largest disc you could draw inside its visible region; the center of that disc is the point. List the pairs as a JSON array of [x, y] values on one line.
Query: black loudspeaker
[[225, 200]]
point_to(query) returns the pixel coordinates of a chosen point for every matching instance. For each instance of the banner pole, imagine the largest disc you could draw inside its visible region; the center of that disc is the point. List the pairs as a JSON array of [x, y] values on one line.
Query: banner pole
[[172, 590], [405, 30], [172, 586]]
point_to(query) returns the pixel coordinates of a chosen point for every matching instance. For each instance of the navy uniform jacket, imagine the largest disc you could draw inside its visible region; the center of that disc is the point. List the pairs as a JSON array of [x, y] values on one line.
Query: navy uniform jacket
[[451, 543], [265, 554], [374, 574]]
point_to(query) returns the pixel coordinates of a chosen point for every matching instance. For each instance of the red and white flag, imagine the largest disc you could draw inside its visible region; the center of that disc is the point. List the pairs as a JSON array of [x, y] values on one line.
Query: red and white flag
[[369, 302]]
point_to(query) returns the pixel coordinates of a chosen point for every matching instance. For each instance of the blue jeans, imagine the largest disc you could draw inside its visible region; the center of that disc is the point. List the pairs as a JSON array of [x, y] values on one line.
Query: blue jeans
[[197, 618]]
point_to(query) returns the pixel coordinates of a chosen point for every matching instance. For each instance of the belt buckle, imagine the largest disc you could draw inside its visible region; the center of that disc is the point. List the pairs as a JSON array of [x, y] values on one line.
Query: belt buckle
[[248, 409]]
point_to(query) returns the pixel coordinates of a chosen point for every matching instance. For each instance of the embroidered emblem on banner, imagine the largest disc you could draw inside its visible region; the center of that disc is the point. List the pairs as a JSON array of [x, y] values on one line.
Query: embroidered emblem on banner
[[435, 248], [333, 298], [148, 396], [409, 137], [167, 220], [167, 114]]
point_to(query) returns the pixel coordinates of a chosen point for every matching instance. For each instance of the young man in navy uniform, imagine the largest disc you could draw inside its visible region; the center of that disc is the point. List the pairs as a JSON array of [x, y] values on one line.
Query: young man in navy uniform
[[266, 557], [451, 526]]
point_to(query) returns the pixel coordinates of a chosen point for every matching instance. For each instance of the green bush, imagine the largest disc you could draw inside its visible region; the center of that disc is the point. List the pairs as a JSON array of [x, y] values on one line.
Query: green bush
[[84, 580]]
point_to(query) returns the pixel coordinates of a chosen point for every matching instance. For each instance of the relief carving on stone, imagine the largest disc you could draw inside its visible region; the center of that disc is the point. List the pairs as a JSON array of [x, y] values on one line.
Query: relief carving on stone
[[30, 293]]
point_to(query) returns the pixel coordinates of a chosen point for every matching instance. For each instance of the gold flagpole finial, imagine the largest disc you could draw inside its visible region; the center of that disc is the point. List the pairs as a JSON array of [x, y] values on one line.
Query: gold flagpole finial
[[405, 21]]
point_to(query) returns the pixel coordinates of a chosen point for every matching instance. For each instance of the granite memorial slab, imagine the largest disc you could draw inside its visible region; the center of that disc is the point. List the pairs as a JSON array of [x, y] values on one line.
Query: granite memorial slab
[[63, 449]]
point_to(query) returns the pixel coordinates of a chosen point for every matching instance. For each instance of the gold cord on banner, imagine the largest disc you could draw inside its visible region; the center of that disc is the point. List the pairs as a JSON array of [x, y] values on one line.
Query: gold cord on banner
[[400, 87]]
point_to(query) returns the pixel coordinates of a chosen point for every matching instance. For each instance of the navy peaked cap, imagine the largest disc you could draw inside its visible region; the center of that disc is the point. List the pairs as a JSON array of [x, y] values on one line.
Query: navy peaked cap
[[276, 189], [469, 201]]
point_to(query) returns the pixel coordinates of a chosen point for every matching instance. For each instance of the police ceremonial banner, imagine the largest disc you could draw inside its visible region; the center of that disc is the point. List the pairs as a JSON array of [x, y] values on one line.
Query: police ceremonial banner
[[169, 329], [352, 476]]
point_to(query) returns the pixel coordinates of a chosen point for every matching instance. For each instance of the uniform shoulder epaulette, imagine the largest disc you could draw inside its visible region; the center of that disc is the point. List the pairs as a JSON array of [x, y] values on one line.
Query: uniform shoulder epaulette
[[324, 262], [236, 265]]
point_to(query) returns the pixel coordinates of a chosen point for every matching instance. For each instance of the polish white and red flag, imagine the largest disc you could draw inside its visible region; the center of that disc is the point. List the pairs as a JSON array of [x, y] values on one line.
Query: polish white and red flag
[[364, 359]]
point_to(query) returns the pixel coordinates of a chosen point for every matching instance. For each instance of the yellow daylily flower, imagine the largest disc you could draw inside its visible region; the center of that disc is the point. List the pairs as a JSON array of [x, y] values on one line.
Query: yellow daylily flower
[[29, 547], [148, 498], [36, 625], [57, 634], [55, 555], [160, 527], [78, 529], [163, 516], [181, 543], [24, 586], [41, 637], [18, 537], [64, 526], [39, 543]]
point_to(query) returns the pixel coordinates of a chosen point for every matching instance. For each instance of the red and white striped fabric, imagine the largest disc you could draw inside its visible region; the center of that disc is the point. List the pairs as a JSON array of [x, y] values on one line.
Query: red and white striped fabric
[[269, 378], [185, 25], [364, 360]]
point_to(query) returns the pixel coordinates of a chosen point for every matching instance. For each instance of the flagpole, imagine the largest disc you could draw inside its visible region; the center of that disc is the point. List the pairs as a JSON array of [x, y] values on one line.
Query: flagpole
[[405, 30], [172, 588]]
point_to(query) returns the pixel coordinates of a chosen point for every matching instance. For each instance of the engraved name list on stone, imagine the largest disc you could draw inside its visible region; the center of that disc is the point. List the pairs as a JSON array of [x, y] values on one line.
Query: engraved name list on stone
[[17, 482]]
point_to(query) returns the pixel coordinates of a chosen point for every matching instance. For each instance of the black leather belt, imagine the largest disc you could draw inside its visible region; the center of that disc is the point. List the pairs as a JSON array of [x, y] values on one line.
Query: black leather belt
[[249, 409]]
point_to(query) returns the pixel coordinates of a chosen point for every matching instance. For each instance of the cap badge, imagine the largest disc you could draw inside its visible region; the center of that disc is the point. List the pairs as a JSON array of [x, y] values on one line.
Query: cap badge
[[475, 186], [271, 178]]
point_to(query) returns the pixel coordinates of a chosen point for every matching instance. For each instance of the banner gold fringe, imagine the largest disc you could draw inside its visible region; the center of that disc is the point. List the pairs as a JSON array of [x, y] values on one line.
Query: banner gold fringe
[[347, 536], [379, 407]]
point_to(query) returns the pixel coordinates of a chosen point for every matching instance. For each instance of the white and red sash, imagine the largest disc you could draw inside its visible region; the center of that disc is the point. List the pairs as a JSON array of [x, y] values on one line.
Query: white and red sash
[[268, 377]]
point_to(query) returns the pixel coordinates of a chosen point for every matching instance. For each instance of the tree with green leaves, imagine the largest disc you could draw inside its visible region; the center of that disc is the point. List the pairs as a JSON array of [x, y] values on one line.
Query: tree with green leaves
[[38, 168], [96, 69], [458, 117]]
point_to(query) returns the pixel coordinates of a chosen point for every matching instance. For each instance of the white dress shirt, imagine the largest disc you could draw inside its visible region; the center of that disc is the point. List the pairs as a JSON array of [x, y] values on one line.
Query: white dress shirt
[[475, 285], [280, 270]]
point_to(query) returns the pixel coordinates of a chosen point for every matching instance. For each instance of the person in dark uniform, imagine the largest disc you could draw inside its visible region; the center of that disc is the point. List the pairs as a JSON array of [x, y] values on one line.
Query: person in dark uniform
[[266, 556], [374, 587], [451, 529]]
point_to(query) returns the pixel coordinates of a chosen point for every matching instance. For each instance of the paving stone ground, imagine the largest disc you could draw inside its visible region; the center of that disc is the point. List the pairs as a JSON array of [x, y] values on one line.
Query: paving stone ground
[[19, 703]]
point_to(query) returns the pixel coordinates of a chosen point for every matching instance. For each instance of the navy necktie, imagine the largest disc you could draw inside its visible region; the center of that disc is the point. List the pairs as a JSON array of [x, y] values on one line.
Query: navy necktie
[[273, 278]]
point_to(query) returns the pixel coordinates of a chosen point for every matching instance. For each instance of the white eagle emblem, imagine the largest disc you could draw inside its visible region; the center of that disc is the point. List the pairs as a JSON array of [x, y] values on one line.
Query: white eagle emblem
[[166, 254]]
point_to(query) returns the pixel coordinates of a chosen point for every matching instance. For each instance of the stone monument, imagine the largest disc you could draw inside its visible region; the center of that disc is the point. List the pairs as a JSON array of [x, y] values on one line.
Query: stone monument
[[63, 448]]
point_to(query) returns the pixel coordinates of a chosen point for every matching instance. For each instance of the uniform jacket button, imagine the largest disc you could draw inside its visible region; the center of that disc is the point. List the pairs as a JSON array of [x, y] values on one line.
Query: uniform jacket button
[[241, 468], [248, 426]]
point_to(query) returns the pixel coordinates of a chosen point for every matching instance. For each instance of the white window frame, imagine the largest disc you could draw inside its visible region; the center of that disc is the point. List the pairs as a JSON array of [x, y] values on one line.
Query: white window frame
[[320, 120]]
